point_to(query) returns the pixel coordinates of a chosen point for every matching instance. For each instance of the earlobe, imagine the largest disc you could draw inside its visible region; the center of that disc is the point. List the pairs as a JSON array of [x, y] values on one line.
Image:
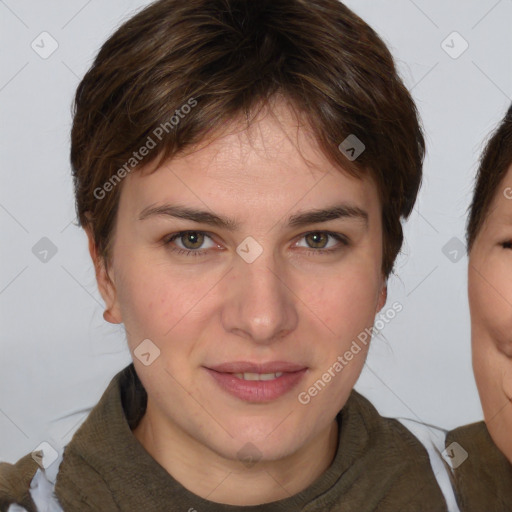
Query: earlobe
[[105, 284], [109, 317], [383, 297]]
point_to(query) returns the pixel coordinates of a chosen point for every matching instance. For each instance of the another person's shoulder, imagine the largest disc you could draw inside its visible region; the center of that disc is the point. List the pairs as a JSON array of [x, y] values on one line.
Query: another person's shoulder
[[477, 451], [483, 475], [15, 483], [474, 434]]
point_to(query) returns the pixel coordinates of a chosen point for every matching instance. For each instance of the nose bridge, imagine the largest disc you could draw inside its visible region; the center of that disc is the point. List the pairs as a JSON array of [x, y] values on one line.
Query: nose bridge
[[260, 305]]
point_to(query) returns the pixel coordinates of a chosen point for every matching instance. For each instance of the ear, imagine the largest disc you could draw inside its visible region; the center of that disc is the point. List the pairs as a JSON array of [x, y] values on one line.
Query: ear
[[106, 285], [383, 296]]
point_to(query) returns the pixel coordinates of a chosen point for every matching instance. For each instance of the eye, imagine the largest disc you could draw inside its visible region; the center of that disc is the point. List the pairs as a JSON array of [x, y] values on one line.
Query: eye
[[191, 243], [315, 239], [507, 244]]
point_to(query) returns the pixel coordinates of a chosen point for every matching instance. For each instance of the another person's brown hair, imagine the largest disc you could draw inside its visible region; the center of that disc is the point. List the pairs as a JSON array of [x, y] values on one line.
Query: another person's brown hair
[[193, 66], [494, 164]]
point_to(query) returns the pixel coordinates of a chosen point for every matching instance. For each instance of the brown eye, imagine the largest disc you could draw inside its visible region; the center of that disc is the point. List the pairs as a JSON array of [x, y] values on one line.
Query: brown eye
[[321, 242], [192, 239], [317, 240], [190, 243]]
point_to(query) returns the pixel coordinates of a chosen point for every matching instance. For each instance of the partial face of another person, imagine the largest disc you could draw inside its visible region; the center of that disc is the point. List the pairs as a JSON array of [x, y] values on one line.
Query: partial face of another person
[[277, 277], [490, 298]]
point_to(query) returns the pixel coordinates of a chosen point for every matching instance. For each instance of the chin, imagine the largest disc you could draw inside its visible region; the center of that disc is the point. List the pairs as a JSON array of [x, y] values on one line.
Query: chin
[[249, 451]]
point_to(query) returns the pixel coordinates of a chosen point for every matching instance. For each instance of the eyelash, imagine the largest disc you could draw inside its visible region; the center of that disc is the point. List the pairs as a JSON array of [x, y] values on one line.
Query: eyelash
[[507, 244], [197, 252]]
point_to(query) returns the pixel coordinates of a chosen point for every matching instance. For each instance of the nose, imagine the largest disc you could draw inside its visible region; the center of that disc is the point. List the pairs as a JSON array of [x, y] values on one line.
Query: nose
[[260, 304]]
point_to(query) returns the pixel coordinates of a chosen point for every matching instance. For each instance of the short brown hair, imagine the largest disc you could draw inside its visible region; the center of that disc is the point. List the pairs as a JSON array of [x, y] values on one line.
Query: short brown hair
[[494, 163], [230, 56]]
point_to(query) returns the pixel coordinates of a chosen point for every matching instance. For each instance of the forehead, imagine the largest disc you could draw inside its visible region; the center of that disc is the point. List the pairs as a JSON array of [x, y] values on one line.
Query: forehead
[[272, 166]]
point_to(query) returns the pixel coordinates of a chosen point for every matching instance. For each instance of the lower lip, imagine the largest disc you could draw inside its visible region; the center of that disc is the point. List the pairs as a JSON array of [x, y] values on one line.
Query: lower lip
[[257, 390]]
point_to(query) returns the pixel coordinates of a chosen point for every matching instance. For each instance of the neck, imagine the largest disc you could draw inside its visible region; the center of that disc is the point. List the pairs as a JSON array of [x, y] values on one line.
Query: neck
[[226, 481]]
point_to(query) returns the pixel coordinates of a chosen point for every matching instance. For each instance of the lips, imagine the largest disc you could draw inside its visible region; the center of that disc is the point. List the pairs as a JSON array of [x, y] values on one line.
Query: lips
[[257, 382], [249, 367]]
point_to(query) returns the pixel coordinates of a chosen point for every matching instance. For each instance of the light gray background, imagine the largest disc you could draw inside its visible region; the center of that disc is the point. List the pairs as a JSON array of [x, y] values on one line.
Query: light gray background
[[58, 354]]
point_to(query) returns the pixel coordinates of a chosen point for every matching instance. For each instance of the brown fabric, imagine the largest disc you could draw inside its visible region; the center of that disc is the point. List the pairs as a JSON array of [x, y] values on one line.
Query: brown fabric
[[379, 466], [15, 483], [483, 482]]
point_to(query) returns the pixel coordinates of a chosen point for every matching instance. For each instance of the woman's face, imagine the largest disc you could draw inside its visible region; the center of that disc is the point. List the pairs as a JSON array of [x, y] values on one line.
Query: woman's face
[[260, 282], [490, 300]]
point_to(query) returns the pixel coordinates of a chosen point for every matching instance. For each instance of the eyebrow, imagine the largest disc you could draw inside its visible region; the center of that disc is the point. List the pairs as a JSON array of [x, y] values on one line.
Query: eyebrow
[[339, 211]]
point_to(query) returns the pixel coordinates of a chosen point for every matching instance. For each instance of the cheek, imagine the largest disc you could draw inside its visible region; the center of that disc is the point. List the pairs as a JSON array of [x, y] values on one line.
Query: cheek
[[155, 298], [490, 299], [159, 300], [493, 374], [346, 305]]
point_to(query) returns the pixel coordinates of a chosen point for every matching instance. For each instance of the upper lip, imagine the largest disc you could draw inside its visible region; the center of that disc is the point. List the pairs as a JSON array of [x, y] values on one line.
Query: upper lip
[[248, 367]]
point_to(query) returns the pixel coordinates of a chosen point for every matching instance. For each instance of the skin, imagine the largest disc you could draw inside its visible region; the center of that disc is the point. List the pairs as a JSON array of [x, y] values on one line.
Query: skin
[[291, 304], [490, 300]]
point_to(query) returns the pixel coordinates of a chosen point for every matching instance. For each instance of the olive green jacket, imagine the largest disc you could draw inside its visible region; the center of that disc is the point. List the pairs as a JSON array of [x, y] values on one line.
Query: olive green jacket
[[483, 476]]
